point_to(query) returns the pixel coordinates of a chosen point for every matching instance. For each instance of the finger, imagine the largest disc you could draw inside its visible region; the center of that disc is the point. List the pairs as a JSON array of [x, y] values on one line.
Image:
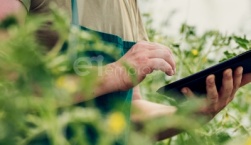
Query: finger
[[237, 78], [156, 50], [227, 85], [212, 93], [164, 54], [246, 78], [142, 45], [149, 45], [160, 64], [236, 82], [188, 93]]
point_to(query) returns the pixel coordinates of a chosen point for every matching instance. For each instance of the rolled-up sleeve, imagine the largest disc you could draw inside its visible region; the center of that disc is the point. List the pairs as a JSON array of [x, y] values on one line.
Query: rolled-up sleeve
[[26, 4]]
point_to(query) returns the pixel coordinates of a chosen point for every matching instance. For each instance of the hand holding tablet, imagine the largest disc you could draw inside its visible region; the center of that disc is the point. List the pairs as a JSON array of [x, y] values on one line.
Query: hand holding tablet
[[197, 82]]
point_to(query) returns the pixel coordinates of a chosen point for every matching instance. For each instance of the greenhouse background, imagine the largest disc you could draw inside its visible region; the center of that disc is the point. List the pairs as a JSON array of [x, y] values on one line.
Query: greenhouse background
[[38, 89], [228, 16]]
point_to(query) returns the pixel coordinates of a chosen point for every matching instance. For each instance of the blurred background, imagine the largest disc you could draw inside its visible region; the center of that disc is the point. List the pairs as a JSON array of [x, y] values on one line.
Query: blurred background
[[227, 16], [207, 36], [37, 106]]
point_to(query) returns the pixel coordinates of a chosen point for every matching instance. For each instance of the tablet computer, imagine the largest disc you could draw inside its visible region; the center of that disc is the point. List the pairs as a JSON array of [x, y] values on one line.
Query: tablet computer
[[197, 81]]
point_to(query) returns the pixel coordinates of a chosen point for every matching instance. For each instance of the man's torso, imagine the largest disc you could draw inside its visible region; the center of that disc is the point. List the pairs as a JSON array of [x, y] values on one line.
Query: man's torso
[[118, 17]]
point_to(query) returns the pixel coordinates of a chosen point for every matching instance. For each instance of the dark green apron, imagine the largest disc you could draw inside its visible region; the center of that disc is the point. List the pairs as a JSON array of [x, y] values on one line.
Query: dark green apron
[[116, 101], [113, 102]]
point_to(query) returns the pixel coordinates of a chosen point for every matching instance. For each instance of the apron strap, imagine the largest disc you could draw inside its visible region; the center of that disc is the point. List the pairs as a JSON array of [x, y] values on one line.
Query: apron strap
[[74, 9]]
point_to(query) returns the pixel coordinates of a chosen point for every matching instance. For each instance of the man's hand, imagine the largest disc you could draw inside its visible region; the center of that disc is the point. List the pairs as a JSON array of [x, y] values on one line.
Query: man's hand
[[217, 100], [144, 57], [246, 78]]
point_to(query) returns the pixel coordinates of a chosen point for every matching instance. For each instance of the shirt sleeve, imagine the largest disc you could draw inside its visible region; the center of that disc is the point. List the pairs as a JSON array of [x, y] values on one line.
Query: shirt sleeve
[[26, 4]]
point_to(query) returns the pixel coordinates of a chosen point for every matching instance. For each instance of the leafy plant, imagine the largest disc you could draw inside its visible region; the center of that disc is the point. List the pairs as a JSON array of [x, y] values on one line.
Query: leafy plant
[[194, 53], [37, 89]]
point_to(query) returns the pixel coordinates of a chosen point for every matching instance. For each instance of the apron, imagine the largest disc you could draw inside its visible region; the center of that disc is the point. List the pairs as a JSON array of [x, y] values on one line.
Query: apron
[[116, 101], [113, 102]]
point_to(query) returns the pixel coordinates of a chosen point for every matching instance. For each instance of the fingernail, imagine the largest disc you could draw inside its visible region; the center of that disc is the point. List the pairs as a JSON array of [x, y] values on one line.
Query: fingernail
[[229, 71], [211, 81], [240, 69], [184, 90], [173, 72]]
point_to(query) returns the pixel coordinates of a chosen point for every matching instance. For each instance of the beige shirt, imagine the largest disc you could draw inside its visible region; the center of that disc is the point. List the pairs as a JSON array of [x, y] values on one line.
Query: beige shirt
[[118, 17]]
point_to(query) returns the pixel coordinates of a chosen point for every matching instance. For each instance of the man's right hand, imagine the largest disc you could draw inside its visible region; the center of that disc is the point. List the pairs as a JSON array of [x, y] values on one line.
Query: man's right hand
[[144, 57]]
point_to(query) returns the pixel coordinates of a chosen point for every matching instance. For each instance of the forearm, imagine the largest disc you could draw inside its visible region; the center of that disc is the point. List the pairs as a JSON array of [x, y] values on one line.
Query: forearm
[[144, 111], [97, 81], [109, 80]]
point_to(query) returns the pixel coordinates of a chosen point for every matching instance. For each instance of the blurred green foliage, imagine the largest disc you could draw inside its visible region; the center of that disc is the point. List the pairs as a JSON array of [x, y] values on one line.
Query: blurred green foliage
[[195, 52], [36, 101]]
